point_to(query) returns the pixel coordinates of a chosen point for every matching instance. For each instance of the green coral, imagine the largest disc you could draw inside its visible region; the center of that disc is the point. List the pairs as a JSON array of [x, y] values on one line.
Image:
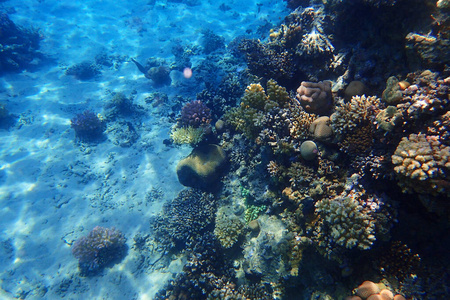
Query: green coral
[[252, 212], [228, 228], [187, 135], [247, 118]]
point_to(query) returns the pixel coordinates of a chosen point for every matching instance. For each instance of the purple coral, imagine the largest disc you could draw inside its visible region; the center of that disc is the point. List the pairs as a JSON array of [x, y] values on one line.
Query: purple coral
[[87, 126], [99, 248], [195, 114]]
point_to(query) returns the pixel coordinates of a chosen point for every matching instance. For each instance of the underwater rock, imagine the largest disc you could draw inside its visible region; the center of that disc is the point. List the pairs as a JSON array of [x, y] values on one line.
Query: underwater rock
[[202, 167]]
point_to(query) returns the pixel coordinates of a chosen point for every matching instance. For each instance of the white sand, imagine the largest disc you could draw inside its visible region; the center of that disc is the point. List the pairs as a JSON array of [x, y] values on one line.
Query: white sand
[[52, 190]]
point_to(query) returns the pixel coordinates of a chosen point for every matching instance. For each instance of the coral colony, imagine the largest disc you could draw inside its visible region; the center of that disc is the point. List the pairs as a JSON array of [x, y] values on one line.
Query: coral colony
[[87, 126], [99, 248]]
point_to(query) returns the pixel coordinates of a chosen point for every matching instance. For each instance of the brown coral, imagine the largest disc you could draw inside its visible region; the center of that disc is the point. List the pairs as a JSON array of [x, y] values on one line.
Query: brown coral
[[422, 163]]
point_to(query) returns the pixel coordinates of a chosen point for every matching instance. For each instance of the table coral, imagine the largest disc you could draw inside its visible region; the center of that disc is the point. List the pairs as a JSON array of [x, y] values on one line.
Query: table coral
[[421, 163]]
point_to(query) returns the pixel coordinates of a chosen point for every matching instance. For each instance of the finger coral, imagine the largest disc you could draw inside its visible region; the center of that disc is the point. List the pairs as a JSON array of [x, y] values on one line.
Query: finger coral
[[99, 248], [228, 228], [359, 111]]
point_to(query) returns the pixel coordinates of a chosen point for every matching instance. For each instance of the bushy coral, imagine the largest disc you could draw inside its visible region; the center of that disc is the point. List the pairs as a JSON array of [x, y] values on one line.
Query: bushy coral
[[195, 114], [99, 248], [211, 41], [255, 107], [84, 71], [347, 223], [359, 111], [87, 125], [422, 163], [184, 218], [228, 228], [187, 135]]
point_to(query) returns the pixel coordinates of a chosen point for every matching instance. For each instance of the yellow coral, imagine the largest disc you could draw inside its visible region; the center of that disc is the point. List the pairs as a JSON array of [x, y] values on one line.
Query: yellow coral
[[421, 163], [187, 135]]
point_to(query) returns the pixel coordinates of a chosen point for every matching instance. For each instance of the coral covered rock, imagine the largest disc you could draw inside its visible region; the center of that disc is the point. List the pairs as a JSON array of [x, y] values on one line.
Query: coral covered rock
[[202, 167]]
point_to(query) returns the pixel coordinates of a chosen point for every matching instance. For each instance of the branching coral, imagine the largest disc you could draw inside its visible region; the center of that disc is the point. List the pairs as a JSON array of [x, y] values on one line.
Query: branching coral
[[195, 114], [99, 248], [347, 223], [187, 135], [359, 111], [87, 126], [228, 228], [184, 218], [248, 117]]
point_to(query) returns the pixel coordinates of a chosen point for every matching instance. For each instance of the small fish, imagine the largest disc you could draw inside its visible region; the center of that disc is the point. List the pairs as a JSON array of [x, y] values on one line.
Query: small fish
[[140, 67]]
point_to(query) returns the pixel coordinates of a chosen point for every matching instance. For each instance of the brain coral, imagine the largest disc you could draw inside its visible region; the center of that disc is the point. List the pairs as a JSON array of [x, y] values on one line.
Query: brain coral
[[421, 163]]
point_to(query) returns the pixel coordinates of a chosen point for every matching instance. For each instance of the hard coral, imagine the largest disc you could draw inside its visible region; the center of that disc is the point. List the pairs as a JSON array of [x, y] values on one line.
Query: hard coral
[[228, 228], [195, 114], [359, 111], [422, 164], [98, 249], [315, 97], [184, 219], [88, 127]]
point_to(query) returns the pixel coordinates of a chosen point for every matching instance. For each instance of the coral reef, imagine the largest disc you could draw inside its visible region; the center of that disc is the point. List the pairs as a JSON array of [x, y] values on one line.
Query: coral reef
[[99, 248], [88, 127]]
